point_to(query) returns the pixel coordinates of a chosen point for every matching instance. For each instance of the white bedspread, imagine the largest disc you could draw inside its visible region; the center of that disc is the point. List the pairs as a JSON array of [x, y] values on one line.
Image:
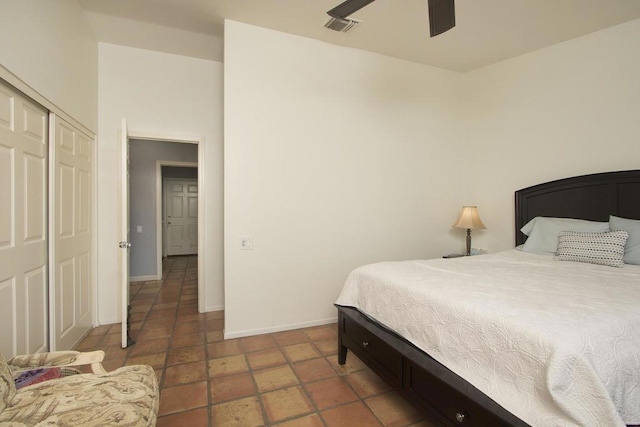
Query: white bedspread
[[555, 343]]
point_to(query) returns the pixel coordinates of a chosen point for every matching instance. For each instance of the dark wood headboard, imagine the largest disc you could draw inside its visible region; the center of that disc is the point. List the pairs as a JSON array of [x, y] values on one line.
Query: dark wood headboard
[[592, 197]]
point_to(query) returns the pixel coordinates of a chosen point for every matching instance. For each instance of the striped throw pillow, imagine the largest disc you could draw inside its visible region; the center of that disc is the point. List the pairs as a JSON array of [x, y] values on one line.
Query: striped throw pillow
[[595, 248]]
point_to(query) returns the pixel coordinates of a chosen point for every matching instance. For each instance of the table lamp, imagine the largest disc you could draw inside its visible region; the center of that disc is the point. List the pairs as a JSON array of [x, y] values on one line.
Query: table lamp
[[469, 219]]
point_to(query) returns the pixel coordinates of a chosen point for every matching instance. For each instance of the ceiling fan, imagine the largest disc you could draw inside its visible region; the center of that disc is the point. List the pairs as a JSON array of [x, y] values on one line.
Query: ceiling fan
[[441, 13]]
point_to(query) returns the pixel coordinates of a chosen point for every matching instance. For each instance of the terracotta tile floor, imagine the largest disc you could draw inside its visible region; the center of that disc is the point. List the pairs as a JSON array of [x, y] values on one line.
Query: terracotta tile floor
[[287, 378]]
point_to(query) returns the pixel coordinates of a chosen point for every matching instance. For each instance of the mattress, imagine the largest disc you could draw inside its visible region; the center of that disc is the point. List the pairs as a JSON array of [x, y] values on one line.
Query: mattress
[[555, 343]]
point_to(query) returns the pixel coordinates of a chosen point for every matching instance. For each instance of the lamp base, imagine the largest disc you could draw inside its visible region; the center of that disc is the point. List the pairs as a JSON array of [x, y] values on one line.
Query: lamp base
[[468, 253]]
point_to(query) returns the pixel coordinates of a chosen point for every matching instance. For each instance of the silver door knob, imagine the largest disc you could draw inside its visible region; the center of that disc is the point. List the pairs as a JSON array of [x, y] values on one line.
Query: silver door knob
[[460, 417]]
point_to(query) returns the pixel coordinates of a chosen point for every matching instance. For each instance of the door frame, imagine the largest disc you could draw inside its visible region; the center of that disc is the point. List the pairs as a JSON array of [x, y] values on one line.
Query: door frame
[[155, 136], [160, 227], [124, 252]]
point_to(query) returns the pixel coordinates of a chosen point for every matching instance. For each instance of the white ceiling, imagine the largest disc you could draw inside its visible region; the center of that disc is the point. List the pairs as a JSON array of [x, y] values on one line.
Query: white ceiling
[[487, 31]]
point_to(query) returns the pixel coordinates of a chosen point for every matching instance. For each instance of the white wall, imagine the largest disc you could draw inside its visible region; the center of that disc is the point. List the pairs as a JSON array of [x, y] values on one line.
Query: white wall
[[566, 110], [337, 157], [164, 95], [334, 158], [50, 46], [145, 35]]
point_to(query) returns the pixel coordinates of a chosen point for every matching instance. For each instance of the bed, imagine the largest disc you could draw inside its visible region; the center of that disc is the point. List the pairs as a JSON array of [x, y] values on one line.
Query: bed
[[565, 383]]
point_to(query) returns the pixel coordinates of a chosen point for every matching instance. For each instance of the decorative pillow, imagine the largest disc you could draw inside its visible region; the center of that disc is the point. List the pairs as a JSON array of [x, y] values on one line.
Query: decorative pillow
[[594, 248], [632, 248], [543, 232], [36, 376]]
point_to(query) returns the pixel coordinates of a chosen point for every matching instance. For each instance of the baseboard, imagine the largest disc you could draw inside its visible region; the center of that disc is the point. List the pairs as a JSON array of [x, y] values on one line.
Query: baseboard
[[214, 308], [107, 322], [281, 328], [143, 278]]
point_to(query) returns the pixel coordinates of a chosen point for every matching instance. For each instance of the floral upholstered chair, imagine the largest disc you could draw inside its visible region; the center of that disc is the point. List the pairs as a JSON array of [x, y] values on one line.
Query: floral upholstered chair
[[126, 396]]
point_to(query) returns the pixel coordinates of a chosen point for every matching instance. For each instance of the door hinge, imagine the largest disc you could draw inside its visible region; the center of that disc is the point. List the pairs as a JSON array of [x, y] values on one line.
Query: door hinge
[[124, 245]]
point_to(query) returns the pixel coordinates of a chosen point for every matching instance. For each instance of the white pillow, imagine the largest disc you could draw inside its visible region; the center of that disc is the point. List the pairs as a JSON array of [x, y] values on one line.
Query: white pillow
[[543, 232], [594, 248]]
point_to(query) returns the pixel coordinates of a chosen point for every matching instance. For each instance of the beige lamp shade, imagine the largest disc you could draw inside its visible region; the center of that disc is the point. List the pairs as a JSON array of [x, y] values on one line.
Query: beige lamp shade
[[469, 218]]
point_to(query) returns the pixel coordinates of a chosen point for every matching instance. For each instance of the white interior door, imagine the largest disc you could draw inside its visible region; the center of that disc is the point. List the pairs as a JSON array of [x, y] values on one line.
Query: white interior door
[[23, 225], [71, 233], [181, 198], [124, 244]]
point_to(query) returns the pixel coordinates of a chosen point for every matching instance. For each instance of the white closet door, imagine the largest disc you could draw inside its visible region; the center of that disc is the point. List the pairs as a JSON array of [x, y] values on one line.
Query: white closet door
[[23, 225], [71, 226], [181, 209]]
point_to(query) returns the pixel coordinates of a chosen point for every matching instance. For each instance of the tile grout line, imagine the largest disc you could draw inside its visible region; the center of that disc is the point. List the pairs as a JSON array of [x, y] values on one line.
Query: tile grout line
[[173, 327], [205, 343]]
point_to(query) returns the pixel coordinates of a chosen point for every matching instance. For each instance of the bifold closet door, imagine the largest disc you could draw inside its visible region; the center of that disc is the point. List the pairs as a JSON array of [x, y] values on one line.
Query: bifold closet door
[[23, 224], [71, 225]]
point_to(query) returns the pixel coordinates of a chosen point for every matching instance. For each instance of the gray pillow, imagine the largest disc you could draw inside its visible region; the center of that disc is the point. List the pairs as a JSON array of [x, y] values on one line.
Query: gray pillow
[[632, 248], [594, 248]]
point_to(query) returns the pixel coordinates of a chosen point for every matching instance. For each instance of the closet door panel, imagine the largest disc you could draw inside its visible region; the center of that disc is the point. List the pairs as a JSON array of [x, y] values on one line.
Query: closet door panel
[[23, 215], [71, 234], [35, 171], [65, 296], [36, 304], [84, 203], [65, 211], [7, 223], [83, 302], [9, 329]]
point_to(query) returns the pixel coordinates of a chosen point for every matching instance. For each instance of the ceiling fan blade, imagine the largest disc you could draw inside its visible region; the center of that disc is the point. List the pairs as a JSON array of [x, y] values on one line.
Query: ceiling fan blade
[[442, 16], [348, 7]]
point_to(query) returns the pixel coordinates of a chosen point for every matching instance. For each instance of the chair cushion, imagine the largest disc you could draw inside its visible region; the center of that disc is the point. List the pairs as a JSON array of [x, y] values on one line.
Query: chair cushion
[[7, 386], [127, 396]]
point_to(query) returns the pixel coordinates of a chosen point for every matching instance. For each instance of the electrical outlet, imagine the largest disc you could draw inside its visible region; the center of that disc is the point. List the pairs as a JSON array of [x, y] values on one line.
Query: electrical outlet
[[246, 243]]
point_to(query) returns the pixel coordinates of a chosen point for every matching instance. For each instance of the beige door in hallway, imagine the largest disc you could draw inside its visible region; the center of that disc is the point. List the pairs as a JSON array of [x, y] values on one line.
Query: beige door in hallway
[[181, 216], [71, 233], [23, 225]]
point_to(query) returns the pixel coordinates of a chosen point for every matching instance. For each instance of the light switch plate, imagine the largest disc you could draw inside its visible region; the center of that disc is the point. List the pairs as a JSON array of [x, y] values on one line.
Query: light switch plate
[[246, 243]]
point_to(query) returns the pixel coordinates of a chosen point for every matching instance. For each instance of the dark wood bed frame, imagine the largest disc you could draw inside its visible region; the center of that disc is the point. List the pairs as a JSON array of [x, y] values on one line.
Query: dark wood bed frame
[[444, 396]]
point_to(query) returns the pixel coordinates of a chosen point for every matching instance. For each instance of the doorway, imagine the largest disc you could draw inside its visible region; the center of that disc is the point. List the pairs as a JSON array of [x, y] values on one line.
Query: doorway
[[148, 155]]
